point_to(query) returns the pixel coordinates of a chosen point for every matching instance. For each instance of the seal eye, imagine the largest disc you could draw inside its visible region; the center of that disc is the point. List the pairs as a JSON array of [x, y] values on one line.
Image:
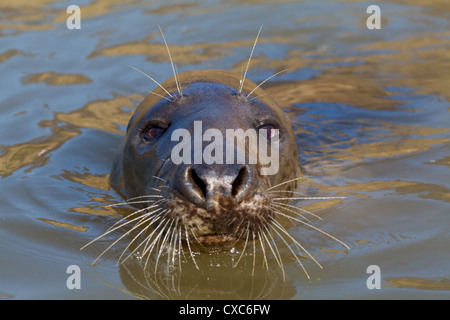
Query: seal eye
[[272, 132], [152, 132]]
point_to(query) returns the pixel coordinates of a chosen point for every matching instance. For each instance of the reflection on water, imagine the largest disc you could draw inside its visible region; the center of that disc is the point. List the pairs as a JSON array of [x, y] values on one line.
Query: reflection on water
[[369, 110]]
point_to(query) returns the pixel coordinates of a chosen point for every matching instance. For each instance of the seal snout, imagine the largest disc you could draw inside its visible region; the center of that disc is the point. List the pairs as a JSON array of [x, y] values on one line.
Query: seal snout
[[207, 187]]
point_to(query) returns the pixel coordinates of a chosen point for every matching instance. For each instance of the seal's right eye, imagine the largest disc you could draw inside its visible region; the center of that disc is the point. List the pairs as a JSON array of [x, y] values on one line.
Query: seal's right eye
[[152, 132]]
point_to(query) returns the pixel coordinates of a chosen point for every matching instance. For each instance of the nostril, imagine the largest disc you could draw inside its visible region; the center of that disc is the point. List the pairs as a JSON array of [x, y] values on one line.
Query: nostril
[[205, 187], [197, 181], [238, 183]]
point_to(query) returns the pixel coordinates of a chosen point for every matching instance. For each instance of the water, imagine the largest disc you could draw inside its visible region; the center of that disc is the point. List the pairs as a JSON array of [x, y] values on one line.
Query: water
[[369, 109]]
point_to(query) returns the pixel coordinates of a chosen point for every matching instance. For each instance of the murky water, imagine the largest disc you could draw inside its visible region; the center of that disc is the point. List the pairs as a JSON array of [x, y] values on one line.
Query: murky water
[[369, 108]]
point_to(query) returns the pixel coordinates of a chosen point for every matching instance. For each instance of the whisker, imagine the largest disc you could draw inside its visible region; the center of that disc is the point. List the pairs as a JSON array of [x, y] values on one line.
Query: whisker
[[190, 250], [172, 248], [120, 226], [237, 229], [156, 177], [290, 191], [155, 204], [245, 245], [286, 206], [147, 239], [159, 95], [181, 240], [296, 243], [310, 198], [134, 239], [171, 61], [128, 203], [259, 85], [257, 97], [231, 221], [178, 289], [175, 249], [254, 253], [249, 59], [284, 182], [180, 248], [152, 80], [140, 222], [196, 239], [146, 196], [148, 249], [315, 228], [162, 246], [278, 207], [153, 219], [293, 253], [275, 254], [264, 251], [238, 237], [242, 70], [151, 241]]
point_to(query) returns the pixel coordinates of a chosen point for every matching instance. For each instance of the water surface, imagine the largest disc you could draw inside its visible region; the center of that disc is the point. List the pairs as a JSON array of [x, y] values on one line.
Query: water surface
[[369, 110]]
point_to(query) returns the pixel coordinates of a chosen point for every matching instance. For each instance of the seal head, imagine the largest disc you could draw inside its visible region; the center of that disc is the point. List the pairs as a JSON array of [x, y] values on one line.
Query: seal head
[[209, 201]]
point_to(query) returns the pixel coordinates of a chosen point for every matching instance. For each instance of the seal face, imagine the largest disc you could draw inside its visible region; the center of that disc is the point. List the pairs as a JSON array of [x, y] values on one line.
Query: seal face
[[206, 201]]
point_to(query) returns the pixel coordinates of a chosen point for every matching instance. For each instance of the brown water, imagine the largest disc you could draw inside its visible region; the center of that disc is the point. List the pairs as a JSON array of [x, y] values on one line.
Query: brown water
[[369, 107]]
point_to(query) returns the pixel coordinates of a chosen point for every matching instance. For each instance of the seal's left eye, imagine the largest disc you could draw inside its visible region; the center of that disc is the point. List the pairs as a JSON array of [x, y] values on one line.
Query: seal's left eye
[[272, 132], [152, 132]]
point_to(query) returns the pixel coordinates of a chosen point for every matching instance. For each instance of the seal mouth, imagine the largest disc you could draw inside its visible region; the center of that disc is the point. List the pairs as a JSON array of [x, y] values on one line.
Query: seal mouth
[[225, 223]]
